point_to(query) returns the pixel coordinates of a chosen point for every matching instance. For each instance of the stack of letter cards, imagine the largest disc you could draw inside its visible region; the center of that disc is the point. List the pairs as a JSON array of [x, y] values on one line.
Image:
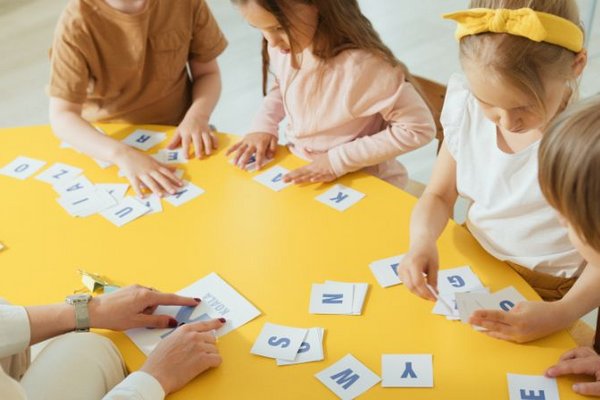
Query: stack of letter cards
[[340, 298], [461, 293], [289, 345], [349, 378], [82, 198], [219, 300]]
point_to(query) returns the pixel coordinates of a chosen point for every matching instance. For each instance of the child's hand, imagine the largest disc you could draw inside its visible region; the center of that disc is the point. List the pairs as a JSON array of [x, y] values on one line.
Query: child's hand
[[529, 320], [264, 145], [419, 268], [319, 170], [582, 360], [144, 171], [194, 130]]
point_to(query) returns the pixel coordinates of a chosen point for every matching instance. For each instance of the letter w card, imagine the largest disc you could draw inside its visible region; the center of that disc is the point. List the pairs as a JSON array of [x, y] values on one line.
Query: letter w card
[[279, 342], [348, 378], [340, 197]]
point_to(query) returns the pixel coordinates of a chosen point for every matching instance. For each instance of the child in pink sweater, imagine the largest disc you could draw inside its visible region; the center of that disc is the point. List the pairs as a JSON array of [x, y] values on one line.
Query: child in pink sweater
[[349, 102]]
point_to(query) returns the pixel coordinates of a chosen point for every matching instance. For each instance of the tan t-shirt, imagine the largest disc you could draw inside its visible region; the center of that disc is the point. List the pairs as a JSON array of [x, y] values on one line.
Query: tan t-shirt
[[131, 68]]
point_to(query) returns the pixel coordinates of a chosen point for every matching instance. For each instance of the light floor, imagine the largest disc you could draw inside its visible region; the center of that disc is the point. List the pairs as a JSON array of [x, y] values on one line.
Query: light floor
[[413, 29]]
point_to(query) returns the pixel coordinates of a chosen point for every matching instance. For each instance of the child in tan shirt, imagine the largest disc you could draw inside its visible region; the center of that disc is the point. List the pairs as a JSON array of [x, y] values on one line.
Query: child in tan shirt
[[127, 61]]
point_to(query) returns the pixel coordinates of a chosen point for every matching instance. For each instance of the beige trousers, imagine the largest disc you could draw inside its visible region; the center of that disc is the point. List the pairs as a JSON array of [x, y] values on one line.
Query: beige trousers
[[72, 366]]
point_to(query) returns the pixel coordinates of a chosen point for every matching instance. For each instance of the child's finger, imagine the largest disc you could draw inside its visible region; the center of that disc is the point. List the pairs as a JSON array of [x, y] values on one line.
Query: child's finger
[[165, 183], [260, 155], [246, 156], [273, 145], [579, 352], [152, 185], [198, 147], [240, 152], [137, 188], [175, 141], [588, 366], [170, 174], [185, 145], [214, 140], [234, 148], [587, 388], [207, 141]]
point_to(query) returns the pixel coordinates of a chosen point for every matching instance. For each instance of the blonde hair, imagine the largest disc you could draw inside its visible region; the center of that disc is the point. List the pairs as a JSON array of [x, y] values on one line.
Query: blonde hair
[[518, 61], [569, 168], [341, 26]]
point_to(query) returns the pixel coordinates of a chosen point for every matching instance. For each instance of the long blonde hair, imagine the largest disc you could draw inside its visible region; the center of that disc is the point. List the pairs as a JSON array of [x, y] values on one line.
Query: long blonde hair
[[569, 168], [341, 26], [519, 61]]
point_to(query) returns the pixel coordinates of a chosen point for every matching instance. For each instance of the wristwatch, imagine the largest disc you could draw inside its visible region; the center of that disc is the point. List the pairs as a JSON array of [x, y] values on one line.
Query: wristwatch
[[82, 318]]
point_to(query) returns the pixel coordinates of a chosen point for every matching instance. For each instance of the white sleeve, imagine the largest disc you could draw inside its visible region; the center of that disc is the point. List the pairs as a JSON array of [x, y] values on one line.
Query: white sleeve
[[9, 388], [455, 111], [15, 332], [137, 386]]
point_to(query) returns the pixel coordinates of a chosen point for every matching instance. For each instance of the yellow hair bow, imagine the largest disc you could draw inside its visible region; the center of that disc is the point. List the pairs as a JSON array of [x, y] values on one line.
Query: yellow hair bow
[[534, 25]]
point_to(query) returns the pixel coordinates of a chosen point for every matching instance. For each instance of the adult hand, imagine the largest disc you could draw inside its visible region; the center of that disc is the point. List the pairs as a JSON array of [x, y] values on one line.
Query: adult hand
[[190, 350], [132, 307]]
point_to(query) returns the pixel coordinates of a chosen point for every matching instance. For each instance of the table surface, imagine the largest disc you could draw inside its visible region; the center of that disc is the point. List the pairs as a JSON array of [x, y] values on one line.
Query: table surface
[[271, 247]]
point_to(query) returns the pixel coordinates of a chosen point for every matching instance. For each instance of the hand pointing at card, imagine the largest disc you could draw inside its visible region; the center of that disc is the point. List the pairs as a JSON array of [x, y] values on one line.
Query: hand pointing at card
[[582, 360]]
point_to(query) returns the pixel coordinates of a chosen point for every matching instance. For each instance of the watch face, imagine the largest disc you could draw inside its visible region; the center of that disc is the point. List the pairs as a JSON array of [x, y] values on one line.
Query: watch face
[[77, 298]]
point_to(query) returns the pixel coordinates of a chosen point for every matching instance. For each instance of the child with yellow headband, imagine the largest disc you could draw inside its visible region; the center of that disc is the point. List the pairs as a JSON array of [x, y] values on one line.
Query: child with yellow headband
[[521, 66]]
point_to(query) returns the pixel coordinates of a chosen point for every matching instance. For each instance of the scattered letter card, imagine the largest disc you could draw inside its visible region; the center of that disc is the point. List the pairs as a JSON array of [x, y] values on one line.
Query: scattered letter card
[[144, 140], [277, 341], [185, 194], [78, 184], [310, 350], [219, 300], [59, 173], [332, 298], [407, 370], [22, 167], [273, 178], [524, 387], [348, 378], [340, 197], [126, 211], [456, 280], [386, 271]]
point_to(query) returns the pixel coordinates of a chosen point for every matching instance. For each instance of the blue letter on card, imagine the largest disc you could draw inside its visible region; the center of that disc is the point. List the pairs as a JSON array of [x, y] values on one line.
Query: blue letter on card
[[279, 342], [339, 198], [456, 281], [530, 395], [408, 371], [333, 298], [346, 378]]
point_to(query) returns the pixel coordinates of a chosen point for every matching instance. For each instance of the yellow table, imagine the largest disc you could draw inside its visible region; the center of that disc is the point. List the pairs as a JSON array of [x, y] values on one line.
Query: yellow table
[[271, 247]]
